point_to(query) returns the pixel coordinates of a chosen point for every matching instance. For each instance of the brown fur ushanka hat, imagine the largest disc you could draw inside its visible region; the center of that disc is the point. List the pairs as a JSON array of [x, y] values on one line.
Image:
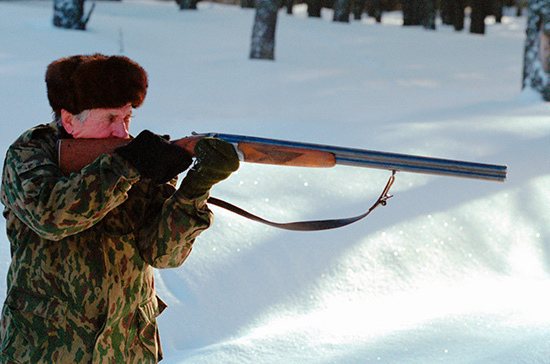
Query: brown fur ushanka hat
[[82, 82]]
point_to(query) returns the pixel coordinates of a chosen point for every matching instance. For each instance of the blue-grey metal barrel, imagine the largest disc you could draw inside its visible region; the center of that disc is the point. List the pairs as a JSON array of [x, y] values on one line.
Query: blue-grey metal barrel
[[387, 161]]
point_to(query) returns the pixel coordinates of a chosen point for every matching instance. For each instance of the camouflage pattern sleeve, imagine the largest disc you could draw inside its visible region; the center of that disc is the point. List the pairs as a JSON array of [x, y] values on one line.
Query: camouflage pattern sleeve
[[55, 206], [168, 240]]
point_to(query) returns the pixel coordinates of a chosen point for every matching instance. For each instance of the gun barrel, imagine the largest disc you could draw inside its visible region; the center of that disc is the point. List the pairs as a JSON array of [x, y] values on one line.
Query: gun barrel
[[387, 161]]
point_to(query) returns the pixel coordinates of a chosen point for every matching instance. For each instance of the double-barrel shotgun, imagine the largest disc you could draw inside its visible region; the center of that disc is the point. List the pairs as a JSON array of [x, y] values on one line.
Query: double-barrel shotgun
[[77, 153], [74, 154]]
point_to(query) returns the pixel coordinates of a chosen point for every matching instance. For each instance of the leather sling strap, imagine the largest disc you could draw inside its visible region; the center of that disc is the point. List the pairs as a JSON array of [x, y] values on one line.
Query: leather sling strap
[[315, 225]]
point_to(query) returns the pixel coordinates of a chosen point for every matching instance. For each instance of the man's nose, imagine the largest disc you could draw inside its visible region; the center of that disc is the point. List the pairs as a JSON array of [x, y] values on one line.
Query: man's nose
[[120, 129]]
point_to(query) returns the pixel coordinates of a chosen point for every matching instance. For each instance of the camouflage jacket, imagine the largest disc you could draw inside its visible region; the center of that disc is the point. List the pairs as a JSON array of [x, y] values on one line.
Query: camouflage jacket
[[83, 247]]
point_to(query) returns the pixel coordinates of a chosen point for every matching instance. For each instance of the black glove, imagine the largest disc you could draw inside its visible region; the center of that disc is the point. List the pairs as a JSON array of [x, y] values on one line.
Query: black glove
[[155, 157], [216, 160]]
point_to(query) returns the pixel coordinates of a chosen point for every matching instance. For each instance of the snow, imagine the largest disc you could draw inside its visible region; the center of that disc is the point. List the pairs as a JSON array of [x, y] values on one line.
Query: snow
[[450, 271]]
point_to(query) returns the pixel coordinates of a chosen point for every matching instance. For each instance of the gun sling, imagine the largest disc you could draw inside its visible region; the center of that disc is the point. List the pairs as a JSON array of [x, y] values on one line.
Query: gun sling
[[315, 225]]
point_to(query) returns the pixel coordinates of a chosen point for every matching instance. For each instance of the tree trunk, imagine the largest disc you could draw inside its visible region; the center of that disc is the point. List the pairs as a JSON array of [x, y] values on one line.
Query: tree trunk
[[263, 32], [429, 10], [536, 62], [458, 9], [498, 7], [375, 9], [419, 12], [341, 10], [289, 5], [358, 6], [314, 8], [70, 14], [447, 12], [187, 4], [248, 4], [480, 10], [412, 12]]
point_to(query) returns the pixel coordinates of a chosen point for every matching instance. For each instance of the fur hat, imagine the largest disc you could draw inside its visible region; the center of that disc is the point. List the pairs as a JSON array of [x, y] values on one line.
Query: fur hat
[[81, 82]]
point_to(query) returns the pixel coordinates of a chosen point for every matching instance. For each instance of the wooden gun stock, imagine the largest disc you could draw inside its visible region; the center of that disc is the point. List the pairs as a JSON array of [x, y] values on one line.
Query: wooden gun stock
[[75, 154]]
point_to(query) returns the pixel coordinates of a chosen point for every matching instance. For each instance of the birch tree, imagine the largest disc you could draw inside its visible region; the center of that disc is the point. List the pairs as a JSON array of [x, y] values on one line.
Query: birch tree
[[536, 61]]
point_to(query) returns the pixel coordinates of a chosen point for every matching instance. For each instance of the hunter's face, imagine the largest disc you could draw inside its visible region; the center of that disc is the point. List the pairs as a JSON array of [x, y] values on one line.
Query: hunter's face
[[99, 123]]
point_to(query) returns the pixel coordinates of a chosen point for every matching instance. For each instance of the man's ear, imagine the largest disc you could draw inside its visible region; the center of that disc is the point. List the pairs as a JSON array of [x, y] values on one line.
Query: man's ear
[[68, 120]]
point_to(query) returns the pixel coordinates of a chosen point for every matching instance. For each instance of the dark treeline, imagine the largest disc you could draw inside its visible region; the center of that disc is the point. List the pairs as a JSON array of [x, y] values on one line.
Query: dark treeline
[[415, 12]]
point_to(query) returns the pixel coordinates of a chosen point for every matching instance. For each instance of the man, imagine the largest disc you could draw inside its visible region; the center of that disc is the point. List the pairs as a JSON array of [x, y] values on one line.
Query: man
[[83, 247]]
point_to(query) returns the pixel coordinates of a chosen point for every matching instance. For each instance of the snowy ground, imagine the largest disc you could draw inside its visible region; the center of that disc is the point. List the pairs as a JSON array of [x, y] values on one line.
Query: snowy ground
[[450, 271]]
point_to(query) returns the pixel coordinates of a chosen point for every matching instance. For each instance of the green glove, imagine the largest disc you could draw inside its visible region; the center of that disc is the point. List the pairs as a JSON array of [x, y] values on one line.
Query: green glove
[[215, 161]]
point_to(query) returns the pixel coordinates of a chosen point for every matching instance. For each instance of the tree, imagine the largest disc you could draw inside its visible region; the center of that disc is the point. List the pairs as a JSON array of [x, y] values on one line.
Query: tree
[[419, 12], [459, 8], [187, 4], [358, 6], [498, 8], [341, 10], [247, 4], [70, 14], [263, 32], [446, 12], [452, 13], [314, 8], [429, 10], [411, 12], [289, 5], [374, 9], [536, 60], [480, 10]]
